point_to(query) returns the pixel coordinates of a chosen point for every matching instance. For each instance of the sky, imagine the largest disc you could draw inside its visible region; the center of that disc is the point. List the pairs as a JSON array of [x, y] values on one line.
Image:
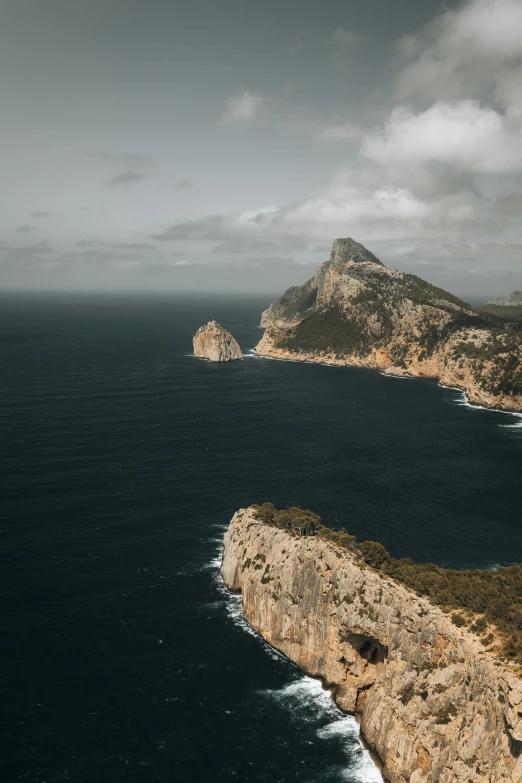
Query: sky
[[222, 145]]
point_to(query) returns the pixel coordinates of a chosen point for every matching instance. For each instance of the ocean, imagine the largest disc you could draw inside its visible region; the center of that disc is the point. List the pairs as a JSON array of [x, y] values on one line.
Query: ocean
[[123, 657]]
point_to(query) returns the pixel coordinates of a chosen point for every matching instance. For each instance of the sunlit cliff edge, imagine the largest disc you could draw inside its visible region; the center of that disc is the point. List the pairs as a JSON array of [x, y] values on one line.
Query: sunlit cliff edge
[[433, 704], [356, 311]]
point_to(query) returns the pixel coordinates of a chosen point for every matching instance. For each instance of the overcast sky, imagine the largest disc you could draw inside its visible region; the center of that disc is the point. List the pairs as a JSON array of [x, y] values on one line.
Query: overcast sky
[[224, 144]]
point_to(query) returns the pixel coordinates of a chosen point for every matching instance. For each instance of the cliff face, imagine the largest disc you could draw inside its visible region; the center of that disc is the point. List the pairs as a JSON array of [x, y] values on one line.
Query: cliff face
[[214, 343], [356, 311], [512, 300], [434, 706]]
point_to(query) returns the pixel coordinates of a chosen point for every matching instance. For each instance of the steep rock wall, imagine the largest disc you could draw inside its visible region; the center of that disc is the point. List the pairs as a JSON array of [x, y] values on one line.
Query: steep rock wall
[[433, 705], [357, 312]]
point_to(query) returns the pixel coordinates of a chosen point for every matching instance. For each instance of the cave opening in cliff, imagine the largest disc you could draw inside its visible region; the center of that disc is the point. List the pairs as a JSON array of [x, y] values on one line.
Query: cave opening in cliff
[[368, 647]]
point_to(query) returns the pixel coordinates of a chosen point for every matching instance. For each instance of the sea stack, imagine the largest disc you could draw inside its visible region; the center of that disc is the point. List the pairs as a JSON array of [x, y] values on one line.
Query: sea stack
[[214, 343]]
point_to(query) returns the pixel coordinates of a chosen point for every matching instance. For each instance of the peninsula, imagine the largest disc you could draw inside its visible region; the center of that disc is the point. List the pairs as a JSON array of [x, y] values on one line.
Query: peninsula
[[434, 688], [357, 312]]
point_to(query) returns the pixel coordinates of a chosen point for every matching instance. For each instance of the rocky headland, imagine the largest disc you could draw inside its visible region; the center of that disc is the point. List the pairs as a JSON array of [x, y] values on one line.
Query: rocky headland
[[357, 312], [214, 343], [512, 300], [433, 703]]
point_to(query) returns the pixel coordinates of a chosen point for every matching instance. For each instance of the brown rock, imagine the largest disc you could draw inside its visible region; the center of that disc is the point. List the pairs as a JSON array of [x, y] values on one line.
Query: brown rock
[[357, 312], [214, 343], [433, 705]]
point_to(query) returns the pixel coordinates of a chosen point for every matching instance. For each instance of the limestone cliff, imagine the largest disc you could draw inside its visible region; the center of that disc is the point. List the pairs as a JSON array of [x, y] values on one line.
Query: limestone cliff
[[512, 300], [432, 703], [214, 343], [356, 311]]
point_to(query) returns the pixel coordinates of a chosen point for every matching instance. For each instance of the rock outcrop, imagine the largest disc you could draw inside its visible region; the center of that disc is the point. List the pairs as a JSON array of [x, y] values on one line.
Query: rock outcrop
[[434, 706], [512, 300], [214, 343], [356, 311]]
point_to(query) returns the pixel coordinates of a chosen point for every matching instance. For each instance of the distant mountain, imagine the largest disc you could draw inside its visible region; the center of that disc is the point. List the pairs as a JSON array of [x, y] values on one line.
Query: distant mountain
[[512, 300], [356, 311]]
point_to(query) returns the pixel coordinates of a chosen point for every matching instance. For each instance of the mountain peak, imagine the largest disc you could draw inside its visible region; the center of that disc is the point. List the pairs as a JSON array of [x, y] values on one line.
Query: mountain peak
[[347, 249]]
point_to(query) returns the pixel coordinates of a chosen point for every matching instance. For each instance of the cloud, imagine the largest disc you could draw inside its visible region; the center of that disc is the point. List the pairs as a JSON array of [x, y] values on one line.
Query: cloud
[[267, 247], [185, 184], [131, 159], [462, 133], [242, 107], [464, 52], [114, 245], [44, 214], [295, 46], [25, 229], [125, 178], [346, 131], [355, 203], [29, 252], [347, 38]]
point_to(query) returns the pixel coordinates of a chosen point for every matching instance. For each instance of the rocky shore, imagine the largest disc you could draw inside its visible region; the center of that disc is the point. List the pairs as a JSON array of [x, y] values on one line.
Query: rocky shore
[[357, 312], [433, 704]]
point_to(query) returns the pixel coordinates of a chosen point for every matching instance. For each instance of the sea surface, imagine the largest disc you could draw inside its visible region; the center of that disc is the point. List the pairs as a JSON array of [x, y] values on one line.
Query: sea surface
[[123, 657]]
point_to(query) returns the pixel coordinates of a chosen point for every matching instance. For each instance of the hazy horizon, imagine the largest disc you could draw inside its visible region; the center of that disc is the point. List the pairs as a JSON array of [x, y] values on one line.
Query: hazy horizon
[[221, 147]]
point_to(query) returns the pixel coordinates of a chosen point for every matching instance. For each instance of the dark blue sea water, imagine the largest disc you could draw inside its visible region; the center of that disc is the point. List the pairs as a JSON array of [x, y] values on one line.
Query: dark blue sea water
[[123, 458]]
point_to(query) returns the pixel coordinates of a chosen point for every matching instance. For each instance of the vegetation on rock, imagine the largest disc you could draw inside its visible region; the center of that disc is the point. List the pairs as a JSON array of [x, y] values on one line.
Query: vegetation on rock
[[495, 596], [357, 310]]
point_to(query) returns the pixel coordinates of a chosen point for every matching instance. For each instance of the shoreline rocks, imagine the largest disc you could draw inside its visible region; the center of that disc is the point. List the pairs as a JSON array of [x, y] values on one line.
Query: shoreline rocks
[[216, 344], [432, 703], [357, 312]]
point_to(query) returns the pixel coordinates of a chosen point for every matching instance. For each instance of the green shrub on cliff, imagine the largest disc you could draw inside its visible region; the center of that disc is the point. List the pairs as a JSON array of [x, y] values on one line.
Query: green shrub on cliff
[[494, 595], [294, 520]]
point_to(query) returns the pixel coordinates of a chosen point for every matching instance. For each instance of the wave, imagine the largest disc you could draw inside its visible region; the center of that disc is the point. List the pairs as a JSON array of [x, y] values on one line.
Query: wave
[[306, 697], [314, 706], [464, 402]]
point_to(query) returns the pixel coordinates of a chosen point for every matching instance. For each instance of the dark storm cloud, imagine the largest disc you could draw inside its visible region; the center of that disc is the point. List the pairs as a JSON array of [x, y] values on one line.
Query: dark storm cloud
[[128, 177]]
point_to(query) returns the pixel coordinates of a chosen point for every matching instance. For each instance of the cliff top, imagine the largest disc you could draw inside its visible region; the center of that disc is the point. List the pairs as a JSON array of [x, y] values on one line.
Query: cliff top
[[489, 603]]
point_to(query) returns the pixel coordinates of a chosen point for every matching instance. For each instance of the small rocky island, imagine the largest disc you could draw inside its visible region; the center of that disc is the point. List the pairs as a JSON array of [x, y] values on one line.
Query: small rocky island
[[214, 343]]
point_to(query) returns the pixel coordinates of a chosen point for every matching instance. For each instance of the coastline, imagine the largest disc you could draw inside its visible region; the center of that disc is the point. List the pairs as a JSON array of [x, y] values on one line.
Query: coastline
[[327, 362], [422, 688], [331, 687]]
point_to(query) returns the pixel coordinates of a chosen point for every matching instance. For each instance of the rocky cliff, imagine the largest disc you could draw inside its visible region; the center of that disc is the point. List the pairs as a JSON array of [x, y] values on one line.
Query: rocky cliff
[[432, 703], [512, 300], [356, 311], [214, 343]]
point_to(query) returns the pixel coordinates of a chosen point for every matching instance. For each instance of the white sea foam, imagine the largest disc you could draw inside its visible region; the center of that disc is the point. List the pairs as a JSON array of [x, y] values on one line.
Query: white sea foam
[[313, 703], [461, 399], [397, 377]]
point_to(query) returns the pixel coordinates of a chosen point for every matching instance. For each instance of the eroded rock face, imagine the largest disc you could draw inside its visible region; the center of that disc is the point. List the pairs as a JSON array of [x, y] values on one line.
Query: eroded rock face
[[432, 703], [513, 300], [357, 312], [214, 343]]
